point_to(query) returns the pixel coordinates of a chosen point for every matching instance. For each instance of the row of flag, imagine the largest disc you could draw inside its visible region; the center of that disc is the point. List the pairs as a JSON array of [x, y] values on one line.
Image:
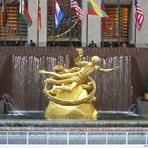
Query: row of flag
[[93, 9], [23, 11]]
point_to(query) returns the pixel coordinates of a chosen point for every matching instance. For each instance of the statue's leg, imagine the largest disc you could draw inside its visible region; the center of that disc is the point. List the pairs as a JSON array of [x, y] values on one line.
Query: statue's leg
[[63, 81], [73, 81]]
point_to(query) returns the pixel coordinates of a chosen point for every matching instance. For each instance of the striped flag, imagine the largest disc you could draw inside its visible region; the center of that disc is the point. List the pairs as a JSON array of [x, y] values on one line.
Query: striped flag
[[139, 16], [4, 15], [24, 13], [78, 10], [104, 19], [93, 9], [39, 16], [58, 14]]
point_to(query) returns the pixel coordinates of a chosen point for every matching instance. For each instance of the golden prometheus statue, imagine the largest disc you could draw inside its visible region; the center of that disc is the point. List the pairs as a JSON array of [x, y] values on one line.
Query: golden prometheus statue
[[73, 91]]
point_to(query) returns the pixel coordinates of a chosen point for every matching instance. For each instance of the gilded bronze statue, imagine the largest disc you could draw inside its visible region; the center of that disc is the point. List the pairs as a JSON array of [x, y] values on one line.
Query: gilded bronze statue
[[73, 91]]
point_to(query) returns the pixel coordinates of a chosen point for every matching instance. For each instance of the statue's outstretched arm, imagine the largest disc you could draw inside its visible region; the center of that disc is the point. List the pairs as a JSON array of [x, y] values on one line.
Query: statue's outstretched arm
[[107, 70], [44, 72], [58, 75], [50, 73]]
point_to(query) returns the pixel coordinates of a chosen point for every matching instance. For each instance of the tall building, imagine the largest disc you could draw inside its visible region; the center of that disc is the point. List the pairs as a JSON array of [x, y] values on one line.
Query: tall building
[[72, 31]]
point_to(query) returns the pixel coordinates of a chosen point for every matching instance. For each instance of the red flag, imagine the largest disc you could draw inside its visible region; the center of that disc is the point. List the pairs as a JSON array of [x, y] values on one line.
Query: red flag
[[24, 13], [39, 16], [4, 15], [139, 16], [104, 19]]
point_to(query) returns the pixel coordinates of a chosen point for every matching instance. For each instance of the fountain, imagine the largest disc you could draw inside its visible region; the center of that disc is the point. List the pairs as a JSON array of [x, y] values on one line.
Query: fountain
[[28, 121], [27, 84]]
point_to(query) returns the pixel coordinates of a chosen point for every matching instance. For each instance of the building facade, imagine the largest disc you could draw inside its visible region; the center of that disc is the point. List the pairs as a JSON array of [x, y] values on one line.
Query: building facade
[[120, 27]]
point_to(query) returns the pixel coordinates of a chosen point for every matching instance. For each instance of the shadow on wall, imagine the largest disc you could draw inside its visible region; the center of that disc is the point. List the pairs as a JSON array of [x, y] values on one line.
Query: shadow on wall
[[137, 82]]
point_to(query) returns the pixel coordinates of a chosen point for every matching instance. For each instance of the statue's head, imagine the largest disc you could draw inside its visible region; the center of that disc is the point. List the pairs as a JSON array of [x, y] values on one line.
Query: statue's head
[[95, 60]]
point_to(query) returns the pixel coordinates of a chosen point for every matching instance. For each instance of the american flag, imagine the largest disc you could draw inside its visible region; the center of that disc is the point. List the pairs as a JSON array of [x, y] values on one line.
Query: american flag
[[139, 16], [78, 10]]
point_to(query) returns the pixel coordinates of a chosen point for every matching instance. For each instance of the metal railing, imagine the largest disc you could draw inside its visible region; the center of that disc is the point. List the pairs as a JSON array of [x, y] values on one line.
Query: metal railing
[[72, 137]]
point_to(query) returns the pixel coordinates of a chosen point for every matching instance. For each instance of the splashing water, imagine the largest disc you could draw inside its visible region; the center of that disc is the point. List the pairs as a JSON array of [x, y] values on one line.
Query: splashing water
[[10, 105]]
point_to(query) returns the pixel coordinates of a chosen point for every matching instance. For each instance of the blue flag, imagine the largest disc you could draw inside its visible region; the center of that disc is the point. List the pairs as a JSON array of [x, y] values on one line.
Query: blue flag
[[58, 14]]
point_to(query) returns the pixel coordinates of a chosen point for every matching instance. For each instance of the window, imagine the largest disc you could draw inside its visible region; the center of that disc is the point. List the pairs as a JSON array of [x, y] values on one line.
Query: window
[[15, 29], [117, 26], [69, 31]]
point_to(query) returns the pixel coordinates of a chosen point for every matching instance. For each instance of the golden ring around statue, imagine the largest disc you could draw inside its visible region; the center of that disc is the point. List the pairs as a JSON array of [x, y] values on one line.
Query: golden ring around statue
[[87, 99]]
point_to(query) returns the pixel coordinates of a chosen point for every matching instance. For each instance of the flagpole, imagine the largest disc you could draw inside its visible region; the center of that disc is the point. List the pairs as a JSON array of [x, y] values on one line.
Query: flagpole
[[119, 22], [135, 32], [21, 22], [70, 25], [87, 30], [53, 10], [102, 27], [37, 24], [103, 38]]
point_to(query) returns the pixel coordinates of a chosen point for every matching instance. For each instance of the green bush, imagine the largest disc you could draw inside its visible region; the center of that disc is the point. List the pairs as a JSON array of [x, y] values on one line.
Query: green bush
[[146, 85]]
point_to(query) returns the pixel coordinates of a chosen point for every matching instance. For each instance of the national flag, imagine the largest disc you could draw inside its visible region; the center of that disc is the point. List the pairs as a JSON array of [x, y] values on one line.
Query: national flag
[[104, 19], [58, 14], [4, 15], [24, 13], [94, 9], [139, 16], [78, 10], [39, 16]]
